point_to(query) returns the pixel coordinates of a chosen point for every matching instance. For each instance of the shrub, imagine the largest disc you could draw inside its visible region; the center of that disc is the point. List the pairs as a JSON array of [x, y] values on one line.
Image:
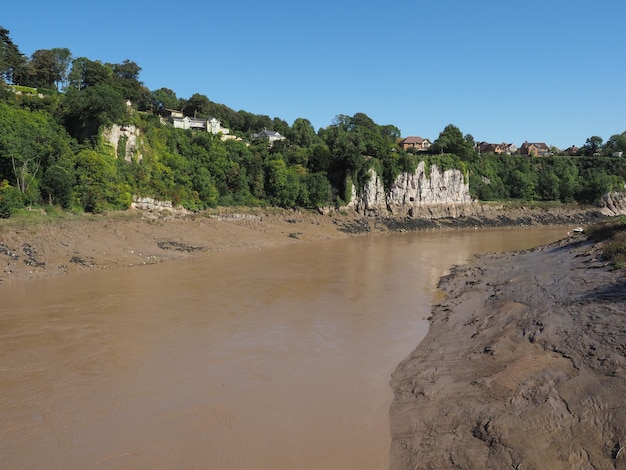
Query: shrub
[[10, 199]]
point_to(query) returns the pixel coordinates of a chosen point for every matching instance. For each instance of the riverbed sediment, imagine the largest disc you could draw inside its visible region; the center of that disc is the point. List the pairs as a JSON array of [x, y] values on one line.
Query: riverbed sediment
[[524, 363], [523, 367], [51, 246]]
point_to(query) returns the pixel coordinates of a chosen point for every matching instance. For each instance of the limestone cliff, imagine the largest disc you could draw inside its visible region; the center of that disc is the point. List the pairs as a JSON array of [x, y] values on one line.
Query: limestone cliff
[[129, 135], [433, 194], [613, 203]]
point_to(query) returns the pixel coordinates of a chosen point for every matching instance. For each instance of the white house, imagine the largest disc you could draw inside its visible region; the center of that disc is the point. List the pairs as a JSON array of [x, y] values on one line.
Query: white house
[[270, 136], [212, 125]]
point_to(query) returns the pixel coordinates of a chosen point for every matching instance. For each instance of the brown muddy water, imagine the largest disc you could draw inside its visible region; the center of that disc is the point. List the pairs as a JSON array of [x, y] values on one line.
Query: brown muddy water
[[273, 359]]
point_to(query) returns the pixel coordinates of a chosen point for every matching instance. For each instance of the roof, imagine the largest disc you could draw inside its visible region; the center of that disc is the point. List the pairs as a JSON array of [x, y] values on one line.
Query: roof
[[413, 140], [539, 145], [268, 134]]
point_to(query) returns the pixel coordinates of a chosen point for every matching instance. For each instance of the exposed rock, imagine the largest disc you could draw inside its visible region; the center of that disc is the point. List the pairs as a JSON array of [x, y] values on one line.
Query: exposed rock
[[613, 203], [131, 134], [150, 204], [418, 194]]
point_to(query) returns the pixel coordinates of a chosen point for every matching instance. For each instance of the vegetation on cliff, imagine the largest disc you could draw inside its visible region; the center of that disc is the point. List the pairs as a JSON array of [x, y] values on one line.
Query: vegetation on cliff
[[54, 109]]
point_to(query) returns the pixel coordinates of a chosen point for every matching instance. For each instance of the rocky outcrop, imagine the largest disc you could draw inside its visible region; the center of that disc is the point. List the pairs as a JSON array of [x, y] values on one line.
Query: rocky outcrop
[[429, 194], [129, 134], [150, 204], [613, 203]]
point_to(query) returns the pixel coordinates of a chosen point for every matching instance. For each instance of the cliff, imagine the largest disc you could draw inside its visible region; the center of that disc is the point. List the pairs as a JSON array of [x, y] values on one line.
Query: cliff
[[613, 203], [129, 138], [427, 194]]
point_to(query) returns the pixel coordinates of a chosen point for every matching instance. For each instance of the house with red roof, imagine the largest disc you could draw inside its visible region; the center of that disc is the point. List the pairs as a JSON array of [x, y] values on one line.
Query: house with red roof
[[415, 142]]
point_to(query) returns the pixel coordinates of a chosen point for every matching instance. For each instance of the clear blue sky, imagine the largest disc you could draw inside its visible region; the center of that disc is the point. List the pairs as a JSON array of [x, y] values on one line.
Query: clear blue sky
[[507, 70]]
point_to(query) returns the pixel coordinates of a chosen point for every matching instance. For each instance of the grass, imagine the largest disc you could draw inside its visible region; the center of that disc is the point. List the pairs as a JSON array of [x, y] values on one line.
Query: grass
[[612, 235], [50, 215]]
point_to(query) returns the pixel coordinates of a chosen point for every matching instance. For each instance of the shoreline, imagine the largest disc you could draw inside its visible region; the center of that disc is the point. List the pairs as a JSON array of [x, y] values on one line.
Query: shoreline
[[523, 366], [49, 247]]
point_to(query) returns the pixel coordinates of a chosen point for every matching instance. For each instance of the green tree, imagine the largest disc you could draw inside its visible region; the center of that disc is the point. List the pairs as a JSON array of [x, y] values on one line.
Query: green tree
[[616, 144], [592, 147], [302, 133], [548, 184], [164, 98], [320, 158], [12, 61], [57, 184], [283, 185], [594, 184], [197, 106], [521, 185], [451, 140], [126, 79], [49, 67], [98, 187], [85, 73], [10, 199], [28, 140], [85, 111], [318, 190]]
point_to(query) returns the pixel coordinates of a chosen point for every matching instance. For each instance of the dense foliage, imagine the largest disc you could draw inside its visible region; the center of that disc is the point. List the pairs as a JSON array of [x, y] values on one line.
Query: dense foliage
[[54, 108]]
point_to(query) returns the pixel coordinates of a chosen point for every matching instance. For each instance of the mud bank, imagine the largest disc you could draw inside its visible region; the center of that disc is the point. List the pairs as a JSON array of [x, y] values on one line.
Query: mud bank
[[50, 246], [523, 367]]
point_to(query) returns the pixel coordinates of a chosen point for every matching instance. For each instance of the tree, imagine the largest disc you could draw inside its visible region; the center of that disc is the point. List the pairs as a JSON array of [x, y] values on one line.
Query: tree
[[197, 106], [57, 184], [164, 98], [10, 199], [318, 190], [280, 126], [49, 67], [12, 61], [27, 140], [84, 111], [126, 79], [85, 73], [594, 184], [63, 57], [320, 158], [283, 185], [451, 140], [44, 69], [302, 133], [592, 147], [616, 144], [548, 184], [97, 183]]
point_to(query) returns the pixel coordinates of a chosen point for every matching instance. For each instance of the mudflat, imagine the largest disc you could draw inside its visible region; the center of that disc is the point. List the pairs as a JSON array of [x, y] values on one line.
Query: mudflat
[[49, 246], [523, 367]]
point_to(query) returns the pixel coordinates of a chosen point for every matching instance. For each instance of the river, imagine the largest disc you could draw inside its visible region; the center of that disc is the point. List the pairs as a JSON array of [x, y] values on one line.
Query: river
[[272, 359]]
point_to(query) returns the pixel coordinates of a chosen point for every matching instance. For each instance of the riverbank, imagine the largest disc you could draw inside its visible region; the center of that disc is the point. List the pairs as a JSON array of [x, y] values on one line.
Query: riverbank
[[523, 367], [43, 246]]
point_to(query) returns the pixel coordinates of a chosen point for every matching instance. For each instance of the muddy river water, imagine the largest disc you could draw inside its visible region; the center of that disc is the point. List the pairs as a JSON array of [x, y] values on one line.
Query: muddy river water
[[273, 359]]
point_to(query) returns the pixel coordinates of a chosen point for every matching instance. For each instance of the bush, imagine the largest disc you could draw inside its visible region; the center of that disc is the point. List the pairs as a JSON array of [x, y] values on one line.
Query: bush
[[10, 199], [613, 236]]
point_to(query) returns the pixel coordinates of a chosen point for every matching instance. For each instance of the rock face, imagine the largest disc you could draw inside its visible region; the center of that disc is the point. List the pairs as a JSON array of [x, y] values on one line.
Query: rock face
[[150, 204], [613, 203], [430, 194], [130, 134]]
